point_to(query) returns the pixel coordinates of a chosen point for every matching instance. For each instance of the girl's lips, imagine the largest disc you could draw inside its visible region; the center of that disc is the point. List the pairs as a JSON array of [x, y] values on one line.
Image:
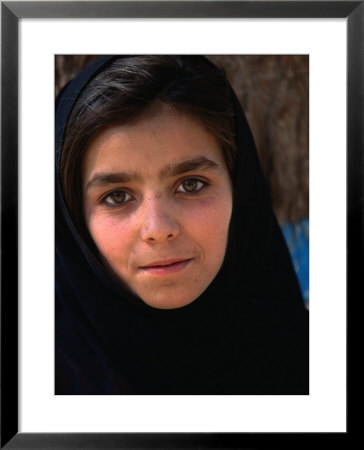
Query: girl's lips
[[165, 268]]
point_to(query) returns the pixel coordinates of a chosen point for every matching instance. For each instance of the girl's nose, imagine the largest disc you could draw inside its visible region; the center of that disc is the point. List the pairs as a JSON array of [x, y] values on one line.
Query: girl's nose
[[159, 223]]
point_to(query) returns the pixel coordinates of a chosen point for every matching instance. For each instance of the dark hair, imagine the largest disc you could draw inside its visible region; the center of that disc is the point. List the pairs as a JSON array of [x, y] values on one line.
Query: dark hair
[[129, 87]]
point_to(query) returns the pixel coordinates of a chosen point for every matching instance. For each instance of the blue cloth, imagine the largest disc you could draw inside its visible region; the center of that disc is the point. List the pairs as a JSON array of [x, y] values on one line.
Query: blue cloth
[[297, 238]]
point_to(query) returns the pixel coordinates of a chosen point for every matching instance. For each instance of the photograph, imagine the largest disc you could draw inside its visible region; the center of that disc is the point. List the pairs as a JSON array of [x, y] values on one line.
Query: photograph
[[181, 222], [173, 275]]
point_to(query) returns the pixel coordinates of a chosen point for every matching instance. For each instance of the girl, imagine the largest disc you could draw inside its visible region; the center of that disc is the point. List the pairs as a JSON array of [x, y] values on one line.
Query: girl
[[172, 276]]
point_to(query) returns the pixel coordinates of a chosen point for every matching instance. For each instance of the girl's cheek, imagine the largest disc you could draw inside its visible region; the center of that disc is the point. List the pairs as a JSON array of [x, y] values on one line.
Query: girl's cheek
[[216, 209], [108, 230]]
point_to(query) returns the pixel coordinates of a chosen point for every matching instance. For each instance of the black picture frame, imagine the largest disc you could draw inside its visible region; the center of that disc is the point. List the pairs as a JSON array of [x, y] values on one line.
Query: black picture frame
[[11, 12]]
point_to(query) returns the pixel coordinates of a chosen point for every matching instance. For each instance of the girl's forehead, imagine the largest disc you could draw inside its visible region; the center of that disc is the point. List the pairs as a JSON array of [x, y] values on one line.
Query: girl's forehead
[[155, 143], [166, 122]]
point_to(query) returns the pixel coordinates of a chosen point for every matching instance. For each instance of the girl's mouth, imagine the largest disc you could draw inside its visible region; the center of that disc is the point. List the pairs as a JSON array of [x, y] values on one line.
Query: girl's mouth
[[166, 267]]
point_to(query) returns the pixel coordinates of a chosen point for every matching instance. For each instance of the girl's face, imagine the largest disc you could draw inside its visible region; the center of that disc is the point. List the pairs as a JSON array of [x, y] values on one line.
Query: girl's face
[[157, 202]]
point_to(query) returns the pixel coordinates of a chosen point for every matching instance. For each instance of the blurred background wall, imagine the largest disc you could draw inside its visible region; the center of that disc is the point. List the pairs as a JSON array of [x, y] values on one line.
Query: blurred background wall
[[274, 92]]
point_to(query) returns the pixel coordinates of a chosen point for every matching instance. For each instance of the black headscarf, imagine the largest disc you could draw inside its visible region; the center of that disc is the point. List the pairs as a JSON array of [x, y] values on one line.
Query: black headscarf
[[246, 334]]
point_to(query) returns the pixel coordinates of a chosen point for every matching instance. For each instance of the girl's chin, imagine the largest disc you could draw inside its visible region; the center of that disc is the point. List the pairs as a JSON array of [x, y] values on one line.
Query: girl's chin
[[166, 303]]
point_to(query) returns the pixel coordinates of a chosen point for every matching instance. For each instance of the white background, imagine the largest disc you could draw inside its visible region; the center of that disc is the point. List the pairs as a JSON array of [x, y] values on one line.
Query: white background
[[324, 409]]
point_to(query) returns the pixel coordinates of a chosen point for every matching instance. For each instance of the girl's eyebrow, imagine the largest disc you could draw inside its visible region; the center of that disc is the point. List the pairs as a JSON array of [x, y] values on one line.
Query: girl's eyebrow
[[199, 163], [105, 178], [101, 179]]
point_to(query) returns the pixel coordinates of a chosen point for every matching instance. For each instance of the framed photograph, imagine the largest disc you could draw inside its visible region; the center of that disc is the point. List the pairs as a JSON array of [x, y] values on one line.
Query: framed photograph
[[32, 33]]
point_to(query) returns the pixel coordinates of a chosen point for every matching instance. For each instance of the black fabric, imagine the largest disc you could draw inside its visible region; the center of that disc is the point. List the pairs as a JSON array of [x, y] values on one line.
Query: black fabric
[[246, 334]]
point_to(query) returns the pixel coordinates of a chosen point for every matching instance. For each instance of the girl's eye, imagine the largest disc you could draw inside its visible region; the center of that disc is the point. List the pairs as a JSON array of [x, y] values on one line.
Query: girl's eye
[[191, 185], [117, 198]]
